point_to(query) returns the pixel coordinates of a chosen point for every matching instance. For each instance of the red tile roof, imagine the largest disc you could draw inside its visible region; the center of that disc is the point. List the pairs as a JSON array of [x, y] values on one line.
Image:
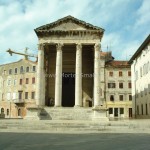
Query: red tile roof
[[118, 63]]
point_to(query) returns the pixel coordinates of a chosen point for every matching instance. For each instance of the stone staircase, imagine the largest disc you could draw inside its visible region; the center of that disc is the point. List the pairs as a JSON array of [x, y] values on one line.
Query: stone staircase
[[15, 125], [67, 113]]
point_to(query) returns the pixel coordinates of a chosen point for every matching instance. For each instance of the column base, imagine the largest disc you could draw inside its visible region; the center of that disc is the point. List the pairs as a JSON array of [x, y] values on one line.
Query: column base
[[100, 113], [37, 113], [77, 106]]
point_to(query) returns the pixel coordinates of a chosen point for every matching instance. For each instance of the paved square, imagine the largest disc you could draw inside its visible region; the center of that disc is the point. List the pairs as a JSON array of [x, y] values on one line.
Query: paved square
[[42, 141]]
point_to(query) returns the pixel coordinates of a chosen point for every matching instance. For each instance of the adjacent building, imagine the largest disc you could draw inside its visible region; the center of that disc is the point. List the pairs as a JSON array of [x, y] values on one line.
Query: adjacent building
[[140, 67], [116, 86], [17, 87]]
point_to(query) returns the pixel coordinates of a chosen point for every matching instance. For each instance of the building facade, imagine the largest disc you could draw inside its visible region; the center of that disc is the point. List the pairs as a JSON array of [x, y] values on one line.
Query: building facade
[[17, 88], [118, 89], [140, 67]]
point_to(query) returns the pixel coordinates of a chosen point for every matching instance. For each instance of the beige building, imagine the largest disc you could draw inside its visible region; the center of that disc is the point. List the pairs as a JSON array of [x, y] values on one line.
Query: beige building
[[140, 67], [118, 89], [17, 87]]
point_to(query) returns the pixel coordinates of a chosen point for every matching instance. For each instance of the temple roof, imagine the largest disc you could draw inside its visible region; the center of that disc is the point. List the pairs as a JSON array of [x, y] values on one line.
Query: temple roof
[[68, 23]]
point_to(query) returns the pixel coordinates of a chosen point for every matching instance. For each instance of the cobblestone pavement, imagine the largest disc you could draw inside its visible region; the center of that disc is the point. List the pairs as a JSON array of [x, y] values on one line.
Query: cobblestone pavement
[[45, 141]]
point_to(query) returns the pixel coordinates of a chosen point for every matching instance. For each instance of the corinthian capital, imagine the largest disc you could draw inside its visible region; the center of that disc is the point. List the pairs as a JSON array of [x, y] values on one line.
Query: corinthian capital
[[41, 46], [79, 46], [97, 46], [59, 46]]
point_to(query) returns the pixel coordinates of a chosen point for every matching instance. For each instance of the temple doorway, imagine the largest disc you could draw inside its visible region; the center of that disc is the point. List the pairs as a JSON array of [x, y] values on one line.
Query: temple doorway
[[68, 89]]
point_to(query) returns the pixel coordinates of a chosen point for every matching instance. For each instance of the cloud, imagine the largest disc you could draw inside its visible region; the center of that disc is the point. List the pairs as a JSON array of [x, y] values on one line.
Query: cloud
[[126, 22]]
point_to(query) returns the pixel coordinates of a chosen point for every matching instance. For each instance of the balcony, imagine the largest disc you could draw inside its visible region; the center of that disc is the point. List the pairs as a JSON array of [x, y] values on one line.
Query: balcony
[[18, 101]]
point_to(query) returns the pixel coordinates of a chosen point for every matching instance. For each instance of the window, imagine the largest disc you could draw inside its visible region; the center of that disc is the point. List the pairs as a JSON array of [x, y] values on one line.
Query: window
[[111, 97], [129, 85], [110, 110], [120, 74], [34, 68], [4, 72], [21, 69], [10, 71], [130, 97], [141, 72], [9, 82], [121, 110], [2, 110], [142, 109], [14, 96], [121, 85], [7, 112], [110, 73], [111, 85], [129, 73], [20, 95], [27, 80], [137, 110], [33, 80], [27, 69], [16, 70], [20, 81], [19, 112], [8, 96], [121, 97], [146, 109], [15, 81], [33, 95], [26, 95]]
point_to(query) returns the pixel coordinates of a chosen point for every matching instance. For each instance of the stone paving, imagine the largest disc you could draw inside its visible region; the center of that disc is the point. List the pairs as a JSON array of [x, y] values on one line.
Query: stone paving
[[45, 141]]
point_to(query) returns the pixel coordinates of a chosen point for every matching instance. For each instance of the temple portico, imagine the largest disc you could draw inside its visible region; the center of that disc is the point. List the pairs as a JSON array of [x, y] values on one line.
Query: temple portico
[[68, 72], [45, 75]]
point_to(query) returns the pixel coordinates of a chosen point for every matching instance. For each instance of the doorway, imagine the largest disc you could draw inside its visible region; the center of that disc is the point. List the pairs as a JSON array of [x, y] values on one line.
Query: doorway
[[68, 89], [115, 112], [130, 112]]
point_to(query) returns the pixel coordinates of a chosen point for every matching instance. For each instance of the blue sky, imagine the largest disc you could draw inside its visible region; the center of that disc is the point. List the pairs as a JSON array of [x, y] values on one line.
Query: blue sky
[[126, 23]]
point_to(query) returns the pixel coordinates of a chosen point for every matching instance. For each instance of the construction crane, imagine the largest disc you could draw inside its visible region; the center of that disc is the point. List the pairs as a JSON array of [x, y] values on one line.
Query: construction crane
[[26, 55]]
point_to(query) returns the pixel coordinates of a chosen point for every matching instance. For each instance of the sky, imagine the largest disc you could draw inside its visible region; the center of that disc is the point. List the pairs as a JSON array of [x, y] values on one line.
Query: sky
[[126, 23]]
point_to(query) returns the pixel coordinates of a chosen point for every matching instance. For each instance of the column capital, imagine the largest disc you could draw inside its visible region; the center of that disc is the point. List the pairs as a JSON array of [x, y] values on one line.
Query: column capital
[[79, 46], [41, 46], [97, 46], [59, 46]]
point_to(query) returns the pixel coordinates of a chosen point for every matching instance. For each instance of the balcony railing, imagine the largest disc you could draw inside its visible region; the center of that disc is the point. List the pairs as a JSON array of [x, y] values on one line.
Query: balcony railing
[[18, 101]]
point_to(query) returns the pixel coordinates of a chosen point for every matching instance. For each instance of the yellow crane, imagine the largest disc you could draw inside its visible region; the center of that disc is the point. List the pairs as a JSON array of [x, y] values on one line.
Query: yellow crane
[[26, 55]]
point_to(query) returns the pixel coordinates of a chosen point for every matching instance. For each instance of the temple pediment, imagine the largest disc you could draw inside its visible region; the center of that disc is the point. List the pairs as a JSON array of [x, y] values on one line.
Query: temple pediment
[[69, 26], [68, 23]]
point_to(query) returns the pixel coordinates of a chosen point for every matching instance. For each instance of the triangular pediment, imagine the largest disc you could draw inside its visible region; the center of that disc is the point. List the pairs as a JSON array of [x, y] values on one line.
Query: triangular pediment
[[66, 24], [70, 25]]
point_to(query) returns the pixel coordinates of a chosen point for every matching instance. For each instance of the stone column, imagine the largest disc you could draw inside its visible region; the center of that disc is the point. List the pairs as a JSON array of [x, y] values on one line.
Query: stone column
[[97, 75], [58, 76], [78, 76], [40, 87]]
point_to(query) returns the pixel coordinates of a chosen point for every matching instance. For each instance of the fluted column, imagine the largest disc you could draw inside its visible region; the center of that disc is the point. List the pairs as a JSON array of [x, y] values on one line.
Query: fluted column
[[78, 76], [40, 87], [58, 77], [97, 75]]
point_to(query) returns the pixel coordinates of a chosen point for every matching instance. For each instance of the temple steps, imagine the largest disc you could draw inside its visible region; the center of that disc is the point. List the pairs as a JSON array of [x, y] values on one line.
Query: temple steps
[[69, 126], [67, 113]]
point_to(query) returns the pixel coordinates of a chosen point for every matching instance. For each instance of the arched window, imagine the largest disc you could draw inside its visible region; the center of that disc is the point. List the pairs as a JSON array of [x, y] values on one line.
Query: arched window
[[21, 69], [19, 112], [27, 69], [7, 112], [2, 110]]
